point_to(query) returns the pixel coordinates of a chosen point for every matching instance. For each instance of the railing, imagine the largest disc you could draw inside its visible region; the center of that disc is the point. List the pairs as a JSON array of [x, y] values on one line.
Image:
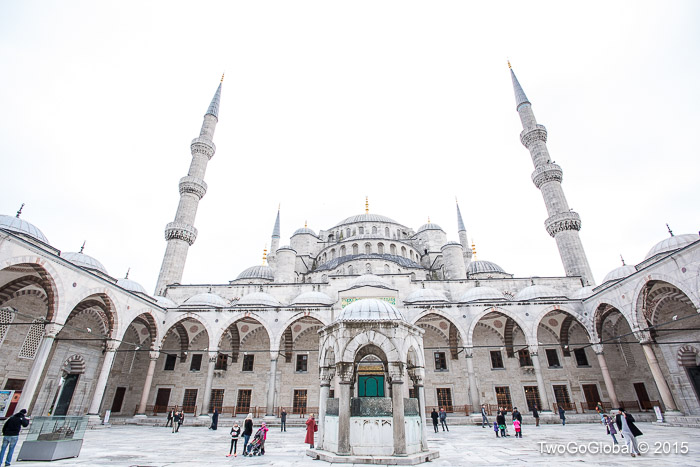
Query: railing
[[590, 406], [302, 412], [236, 411], [453, 409], [567, 406], [157, 409], [631, 405], [649, 405]]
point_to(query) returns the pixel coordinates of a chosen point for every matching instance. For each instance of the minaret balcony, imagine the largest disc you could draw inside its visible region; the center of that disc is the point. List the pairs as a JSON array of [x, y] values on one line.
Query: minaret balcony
[[562, 222], [547, 173], [530, 135], [181, 231], [193, 185], [203, 146]]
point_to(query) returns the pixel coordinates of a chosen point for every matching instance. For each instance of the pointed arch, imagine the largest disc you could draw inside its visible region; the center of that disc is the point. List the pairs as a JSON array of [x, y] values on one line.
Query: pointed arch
[[51, 281], [505, 313]]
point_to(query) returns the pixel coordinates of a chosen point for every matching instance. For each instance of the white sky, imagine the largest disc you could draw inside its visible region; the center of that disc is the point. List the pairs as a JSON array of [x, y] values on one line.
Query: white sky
[[323, 103]]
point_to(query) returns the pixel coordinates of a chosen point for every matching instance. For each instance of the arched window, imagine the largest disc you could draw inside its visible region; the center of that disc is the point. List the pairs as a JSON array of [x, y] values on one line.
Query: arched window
[[392, 249], [347, 232], [342, 250], [374, 229], [324, 278], [410, 252], [355, 249], [403, 251], [368, 268], [380, 248], [386, 269], [324, 257], [368, 248], [386, 232], [330, 237], [350, 270], [362, 230], [341, 271], [333, 253]]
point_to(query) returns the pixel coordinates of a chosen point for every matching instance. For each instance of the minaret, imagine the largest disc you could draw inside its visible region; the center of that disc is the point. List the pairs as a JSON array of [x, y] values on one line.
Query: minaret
[[462, 232], [275, 242], [563, 223], [181, 233]]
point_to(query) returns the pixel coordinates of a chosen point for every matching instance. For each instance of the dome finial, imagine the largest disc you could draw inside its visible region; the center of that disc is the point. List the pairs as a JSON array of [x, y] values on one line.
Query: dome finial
[[366, 204], [428, 219], [20, 210], [623, 260], [473, 249], [82, 247], [127, 273], [222, 77], [264, 254], [306, 225], [669, 229], [509, 67]]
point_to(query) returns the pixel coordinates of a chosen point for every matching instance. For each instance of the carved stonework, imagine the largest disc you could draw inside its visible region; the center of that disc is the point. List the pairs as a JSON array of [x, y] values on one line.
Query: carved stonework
[[562, 222], [111, 345], [203, 146], [531, 135], [52, 330], [547, 173], [327, 374], [153, 354], [344, 371], [180, 231], [194, 186]]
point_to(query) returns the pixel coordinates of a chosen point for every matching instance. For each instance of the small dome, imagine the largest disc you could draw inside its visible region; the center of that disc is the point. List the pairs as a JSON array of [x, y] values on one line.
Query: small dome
[[534, 292], [426, 295], [131, 286], [451, 243], [369, 280], [304, 230], [619, 273], [365, 218], [313, 298], [429, 226], [165, 302], [84, 261], [257, 272], [206, 299], [286, 247], [258, 299], [481, 294], [371, 309], [583, 292], [477, 267], [671, 244], [15, 224]]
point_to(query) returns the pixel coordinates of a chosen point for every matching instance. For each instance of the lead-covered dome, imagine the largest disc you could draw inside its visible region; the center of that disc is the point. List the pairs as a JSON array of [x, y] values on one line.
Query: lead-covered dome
[[478, 294], [619, 273], [258, 299], [84, 261], [257, 272], [365, 218], [165, 302], [428, 226], [131, 286], [371, 309], [479, 267], [535, 292], [312, 298], [671, 244], [583, 292], [369, 280], [15, 224], [304, 230], [206, 299], [426, 295]]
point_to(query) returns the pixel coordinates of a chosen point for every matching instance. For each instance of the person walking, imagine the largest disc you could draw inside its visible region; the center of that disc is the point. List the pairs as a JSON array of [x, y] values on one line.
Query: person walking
[[443, 419], [214, 420], [536, 414], [601, 412], [169, 420], [501, 420], [562, 415], [484, 418], [434, 416], [176, 422], [10, 434], [610, 427], [311, 428], [235, 433], [247, 432], [625, 423], [517, 417], [264, 438], [283, 420]]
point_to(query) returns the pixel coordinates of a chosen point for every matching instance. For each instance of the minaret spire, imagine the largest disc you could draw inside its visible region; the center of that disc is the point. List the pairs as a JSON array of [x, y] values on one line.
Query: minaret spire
[[275, 241], [462, 232], [563, 223], [181, 233]]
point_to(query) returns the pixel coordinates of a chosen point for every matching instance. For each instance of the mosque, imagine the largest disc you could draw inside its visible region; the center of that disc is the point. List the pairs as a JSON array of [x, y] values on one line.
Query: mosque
[[76, 340]]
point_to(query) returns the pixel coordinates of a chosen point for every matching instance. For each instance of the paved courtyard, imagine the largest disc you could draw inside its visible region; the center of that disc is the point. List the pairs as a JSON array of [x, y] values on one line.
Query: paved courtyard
[[463, 445]]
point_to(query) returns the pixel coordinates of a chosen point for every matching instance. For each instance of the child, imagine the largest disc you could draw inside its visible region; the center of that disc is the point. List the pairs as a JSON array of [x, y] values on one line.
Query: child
[[610, 427], [516, 425], [495, 428], [262, 445], [235, 433]]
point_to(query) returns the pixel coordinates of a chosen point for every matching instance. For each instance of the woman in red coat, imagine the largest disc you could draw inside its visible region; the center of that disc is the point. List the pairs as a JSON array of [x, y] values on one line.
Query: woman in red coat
[[311, 428]]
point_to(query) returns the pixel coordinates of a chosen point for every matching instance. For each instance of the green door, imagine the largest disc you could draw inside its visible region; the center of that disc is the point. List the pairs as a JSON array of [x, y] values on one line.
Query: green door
[[371, 386]]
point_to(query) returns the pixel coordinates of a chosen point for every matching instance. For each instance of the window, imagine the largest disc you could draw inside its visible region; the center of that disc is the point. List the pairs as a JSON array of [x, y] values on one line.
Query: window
[[355, 249], [503, 397], [532, 396], [403, 251], [380, 248], [440, 361], [302, 363], [581, 359], [496, 359], [217, 400], [392, 249], [196, 363], [299, 404], [6, 317], [444, 398], [221, 362], [333, 253], [412, 393], [362, 230], [347, 232], [561, 395], [14, 384], [553, 358], [524, 357], [374, 229], [386, 232], [368, 248], [368, 268], [342, 250], [331, 393], [243, 403], [33, 339], [387, 269], [189, 401], [170, 362], [248, 362], [350, 270]]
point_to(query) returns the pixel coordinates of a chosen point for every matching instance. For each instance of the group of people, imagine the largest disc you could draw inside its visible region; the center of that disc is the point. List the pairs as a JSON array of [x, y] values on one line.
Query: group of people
[[257, 446], [175, 419], [500, 425], [442, 416]]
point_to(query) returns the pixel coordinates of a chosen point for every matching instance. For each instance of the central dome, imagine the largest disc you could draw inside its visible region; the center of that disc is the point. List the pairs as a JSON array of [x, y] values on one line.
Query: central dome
[[366, 218], [257, 272], [371, 309]]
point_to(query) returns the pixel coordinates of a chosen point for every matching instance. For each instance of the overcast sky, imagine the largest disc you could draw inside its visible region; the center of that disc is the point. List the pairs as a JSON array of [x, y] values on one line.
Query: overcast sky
[[324, 103]]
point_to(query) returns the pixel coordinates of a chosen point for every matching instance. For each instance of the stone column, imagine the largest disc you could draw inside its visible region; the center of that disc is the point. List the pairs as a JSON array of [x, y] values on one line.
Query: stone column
[[211, 364], [540, 380], [37, 370], [271, 386], [101, 385], [326, 377], [397, 410], [473, 389], [418, 379], [153, 355], [659, 377], [344, 371], [606, 375]]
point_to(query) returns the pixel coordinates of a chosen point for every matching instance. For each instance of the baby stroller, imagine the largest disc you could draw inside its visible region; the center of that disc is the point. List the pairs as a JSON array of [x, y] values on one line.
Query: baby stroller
[[254, 447]]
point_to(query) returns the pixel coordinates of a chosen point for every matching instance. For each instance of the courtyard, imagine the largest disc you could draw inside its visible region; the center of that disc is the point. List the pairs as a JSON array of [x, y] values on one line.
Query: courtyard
[[462, 445]]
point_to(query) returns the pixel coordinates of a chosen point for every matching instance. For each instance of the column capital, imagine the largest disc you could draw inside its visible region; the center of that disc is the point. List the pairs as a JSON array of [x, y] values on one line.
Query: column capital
[[154, 354], [274, 355], [397, 370], [327, 374], [52, 329], [344, 370], [597, 348], [111, 345], [469, 352], [533, 350], [644, 337]]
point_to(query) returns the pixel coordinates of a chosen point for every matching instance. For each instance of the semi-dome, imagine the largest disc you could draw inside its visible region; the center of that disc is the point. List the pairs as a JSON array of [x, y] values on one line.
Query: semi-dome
[[583, 292], [426, 295], [165, 302], [428, 226], [672, 243], [619, 273], [131, 286], [371, 309], [15, 224], [258, 299], [257, 272], [369, 280], [312, 298], [478, 267], [84, 261], [535, 292], [365, 218], [481, 294], [206, 299]]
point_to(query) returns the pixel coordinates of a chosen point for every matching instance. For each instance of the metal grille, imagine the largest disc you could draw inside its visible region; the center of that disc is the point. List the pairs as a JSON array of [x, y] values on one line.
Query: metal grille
[[6, 317], [444, 398], [299, 401], [503, 396], [532, 396], [243, 403], [217, 400], [32, 341]]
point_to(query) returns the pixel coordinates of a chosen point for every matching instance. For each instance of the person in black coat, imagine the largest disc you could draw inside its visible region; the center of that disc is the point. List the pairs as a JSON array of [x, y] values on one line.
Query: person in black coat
[[214, 420], [625, 423], [247, 432], [562, 415], [283, 420], [517, 416], [501, 420], [10, 433], [536, 414], [169, 421], [434, 415]]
